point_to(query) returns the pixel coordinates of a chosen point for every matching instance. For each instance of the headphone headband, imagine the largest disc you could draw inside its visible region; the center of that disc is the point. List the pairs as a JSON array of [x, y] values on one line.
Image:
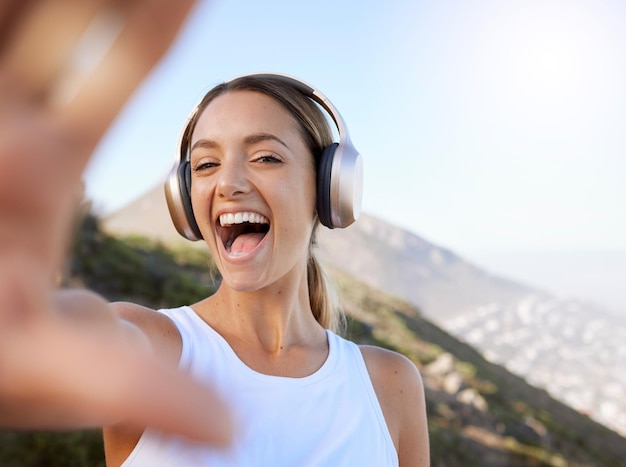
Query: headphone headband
[[315, 95], [340, 170]]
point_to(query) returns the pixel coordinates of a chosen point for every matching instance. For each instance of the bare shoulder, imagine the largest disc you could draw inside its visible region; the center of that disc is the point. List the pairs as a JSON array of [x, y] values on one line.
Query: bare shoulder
[[400, 391], [390, 364], [158, 328], [396, 379], [164, 338]]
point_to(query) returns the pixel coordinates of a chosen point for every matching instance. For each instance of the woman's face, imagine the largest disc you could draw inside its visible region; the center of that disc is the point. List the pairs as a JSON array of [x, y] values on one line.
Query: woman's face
[[253, 189]]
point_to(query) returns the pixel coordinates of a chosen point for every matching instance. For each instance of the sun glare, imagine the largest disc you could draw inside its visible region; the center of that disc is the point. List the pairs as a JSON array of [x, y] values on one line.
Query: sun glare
[[551, 66], [557, 65]]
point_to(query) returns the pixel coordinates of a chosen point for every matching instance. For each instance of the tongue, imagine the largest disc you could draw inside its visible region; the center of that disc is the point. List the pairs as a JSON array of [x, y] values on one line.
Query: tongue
[[247, 242]]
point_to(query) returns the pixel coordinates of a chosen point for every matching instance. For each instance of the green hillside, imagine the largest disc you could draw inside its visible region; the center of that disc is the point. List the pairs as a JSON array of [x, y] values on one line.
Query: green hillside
[[479, 413], [491, 417]]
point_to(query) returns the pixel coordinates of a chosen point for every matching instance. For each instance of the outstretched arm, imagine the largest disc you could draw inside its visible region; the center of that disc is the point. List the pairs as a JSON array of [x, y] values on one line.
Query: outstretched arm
[[66, 360]]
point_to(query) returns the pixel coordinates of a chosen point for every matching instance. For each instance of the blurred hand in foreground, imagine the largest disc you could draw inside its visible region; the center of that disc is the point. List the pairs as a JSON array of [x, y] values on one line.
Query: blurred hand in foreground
[[66, 360]]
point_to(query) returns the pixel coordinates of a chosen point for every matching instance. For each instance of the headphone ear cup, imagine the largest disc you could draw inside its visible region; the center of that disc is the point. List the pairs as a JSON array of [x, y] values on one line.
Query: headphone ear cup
[[324, 178], [178, 197], [184, 183]]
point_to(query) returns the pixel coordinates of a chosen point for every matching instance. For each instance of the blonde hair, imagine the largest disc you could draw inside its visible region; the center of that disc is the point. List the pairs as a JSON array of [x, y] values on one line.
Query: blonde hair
[[317, 135]]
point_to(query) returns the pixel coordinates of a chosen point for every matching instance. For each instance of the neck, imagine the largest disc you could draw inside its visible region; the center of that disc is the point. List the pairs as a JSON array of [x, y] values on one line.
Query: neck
[[272, 331], [271, 319]]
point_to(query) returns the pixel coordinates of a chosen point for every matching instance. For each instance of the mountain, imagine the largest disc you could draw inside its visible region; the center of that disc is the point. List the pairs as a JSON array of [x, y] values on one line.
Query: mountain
[[441, 283], [571, 348], [146, 215]]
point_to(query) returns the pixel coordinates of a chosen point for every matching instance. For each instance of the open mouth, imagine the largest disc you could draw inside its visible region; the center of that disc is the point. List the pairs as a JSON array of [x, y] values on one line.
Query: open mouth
[[243, 231]]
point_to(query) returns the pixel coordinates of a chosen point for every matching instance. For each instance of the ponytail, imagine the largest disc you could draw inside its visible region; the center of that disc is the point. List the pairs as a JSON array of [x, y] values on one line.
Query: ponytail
[[323, 298]]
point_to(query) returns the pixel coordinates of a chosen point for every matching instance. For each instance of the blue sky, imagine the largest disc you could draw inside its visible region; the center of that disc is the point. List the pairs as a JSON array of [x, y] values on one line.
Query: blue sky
[[492, 128]]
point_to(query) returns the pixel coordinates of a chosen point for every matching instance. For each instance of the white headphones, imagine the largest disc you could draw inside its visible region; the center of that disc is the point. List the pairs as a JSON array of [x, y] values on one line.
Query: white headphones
[[339, 171]]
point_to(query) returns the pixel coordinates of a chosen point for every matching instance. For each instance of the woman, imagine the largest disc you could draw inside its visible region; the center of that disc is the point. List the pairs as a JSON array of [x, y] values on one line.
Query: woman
[[299, 394]]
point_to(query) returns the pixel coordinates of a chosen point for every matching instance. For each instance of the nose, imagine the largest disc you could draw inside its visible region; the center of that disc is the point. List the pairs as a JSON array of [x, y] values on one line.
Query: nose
[[233, 179]]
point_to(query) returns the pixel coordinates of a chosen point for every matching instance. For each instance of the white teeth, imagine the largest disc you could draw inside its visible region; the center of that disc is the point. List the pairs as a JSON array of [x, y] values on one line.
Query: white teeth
[[241, 217]]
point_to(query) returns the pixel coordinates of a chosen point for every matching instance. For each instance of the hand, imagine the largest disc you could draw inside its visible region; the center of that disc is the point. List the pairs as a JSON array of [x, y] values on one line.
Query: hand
[[66, 361]]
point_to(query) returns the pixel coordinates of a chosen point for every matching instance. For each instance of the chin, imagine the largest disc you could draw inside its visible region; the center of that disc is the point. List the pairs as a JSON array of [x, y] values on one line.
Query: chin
[[243, 282]]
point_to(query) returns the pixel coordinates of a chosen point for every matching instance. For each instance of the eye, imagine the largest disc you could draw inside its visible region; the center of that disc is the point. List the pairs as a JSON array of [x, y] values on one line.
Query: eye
[[204, 165], [268, 158]]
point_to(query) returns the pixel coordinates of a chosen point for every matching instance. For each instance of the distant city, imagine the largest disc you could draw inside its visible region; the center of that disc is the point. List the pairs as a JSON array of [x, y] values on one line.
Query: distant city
[[574, 350]]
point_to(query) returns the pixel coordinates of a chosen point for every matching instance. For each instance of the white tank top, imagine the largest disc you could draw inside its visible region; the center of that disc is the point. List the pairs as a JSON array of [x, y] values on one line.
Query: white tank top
[[330, 418]]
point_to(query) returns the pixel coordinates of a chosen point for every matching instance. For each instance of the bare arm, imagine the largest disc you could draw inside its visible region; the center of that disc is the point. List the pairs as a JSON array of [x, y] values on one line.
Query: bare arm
[[165, 341], [86, 367], [400, 392]]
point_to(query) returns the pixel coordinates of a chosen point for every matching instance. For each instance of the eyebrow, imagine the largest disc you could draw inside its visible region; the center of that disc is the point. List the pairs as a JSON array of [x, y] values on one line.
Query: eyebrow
[[248, 140], [204, 143], [260, 137]]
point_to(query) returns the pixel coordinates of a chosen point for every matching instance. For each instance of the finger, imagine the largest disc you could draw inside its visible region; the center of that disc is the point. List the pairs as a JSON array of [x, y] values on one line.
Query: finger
[[11, 14], [38, 197], [82, 60], [144, 31]]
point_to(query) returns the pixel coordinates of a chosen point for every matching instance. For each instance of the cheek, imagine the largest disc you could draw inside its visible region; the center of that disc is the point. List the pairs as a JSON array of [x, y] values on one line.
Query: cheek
[[309, 187], [301, 194], [200, 195], [312, 196], [200, 204]]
